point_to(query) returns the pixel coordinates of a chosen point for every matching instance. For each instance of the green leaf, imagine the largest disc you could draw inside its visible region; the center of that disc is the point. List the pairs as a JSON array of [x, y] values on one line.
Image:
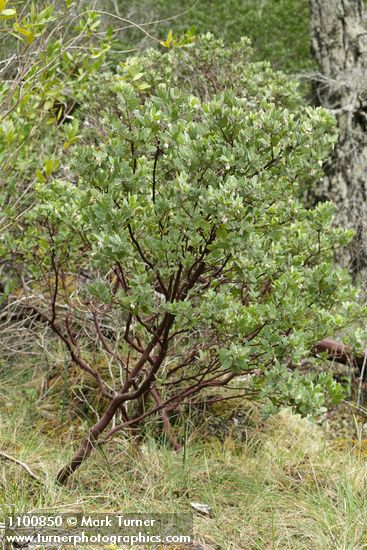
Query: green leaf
[[24, 32], [51, 165], [40, 176], [169, 40], [8, 13]]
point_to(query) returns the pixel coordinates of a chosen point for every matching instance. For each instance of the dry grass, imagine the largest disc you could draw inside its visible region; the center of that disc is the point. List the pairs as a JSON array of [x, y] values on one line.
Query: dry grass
[[287, 486]]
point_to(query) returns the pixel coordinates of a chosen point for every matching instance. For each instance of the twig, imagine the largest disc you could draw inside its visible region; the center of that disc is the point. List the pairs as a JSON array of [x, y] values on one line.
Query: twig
[[359, 395], [22, 464]]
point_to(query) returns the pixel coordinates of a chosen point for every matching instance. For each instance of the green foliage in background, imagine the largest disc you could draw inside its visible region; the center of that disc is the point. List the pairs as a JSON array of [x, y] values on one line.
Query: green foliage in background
[[278, 29], [179, 180], [49, 51]]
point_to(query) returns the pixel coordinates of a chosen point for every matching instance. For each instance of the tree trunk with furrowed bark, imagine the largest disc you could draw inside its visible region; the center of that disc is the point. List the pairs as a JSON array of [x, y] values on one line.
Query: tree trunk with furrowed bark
[[339, 45]]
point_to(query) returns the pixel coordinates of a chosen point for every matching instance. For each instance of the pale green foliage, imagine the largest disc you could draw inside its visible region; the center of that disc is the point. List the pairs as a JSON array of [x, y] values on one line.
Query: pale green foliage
[[204, 66], [176, 182]]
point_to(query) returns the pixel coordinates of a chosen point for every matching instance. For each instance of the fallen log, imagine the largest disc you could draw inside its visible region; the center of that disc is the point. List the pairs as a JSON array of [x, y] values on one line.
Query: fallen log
[[339, 353]]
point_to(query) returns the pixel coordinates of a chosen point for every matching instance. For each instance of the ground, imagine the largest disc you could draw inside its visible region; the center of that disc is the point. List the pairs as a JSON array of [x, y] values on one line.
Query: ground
[[284, 482]]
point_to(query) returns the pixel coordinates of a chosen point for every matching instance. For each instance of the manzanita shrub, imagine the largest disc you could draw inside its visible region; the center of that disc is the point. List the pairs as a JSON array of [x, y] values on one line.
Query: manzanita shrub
[[176, 246]]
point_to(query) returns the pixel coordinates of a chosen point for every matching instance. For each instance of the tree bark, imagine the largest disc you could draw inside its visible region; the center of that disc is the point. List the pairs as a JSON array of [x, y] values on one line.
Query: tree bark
[[339, 45]]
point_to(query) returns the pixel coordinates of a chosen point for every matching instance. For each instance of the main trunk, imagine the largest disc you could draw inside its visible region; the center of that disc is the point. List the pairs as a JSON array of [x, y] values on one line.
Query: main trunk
[[89, 441], [339, 44]]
